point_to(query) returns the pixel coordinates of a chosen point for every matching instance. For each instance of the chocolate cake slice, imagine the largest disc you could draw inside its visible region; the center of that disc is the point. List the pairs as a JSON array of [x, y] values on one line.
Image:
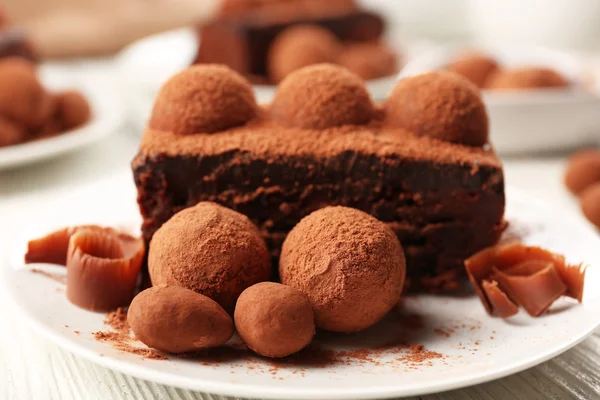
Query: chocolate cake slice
[[323, 142]]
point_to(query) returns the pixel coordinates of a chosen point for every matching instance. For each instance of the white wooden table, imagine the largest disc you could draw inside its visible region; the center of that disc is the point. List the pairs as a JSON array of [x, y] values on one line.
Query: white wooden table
[[33, 368]]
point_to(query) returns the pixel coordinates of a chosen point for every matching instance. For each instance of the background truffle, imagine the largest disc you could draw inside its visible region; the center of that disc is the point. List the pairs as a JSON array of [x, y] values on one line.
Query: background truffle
[[300, 46], [439, 104], [590, 203], [350, 265], [475, 67], [72, 109], [203, 99], [583, 169], [369, 60], [23, 98], [11, 133], [210, 249], [176, 320], [322, 96], [526, 78], [274, 320]]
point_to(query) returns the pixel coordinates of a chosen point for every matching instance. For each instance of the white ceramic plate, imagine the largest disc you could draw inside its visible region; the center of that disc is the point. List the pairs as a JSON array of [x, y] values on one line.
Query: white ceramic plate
[[107, 114], [148, 63], [533, 120], [476, 347]]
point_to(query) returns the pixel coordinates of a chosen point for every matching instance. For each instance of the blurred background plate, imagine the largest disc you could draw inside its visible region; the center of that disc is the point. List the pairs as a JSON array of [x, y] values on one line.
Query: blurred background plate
[[94, 80]]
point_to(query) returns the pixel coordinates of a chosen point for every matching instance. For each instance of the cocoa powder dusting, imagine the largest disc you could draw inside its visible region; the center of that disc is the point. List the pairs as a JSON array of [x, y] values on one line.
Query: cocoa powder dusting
[[121, 338], [55, 277]]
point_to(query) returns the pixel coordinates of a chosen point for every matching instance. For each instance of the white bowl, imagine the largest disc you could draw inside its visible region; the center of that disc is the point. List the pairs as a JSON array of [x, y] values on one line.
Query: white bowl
[[536, 120]]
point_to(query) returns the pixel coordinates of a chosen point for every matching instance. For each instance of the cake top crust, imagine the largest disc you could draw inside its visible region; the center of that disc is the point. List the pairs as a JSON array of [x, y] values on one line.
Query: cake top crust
[[305, 120], [266, 138]]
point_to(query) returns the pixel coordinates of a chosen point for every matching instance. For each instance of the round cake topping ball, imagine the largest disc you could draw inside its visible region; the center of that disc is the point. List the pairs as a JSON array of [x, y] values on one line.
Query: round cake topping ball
[[210, 249], [442, 105], [369, 60], [299, 46], [23, 98], [176, 320], [526, 78], [72, 108], [475, 67], [274, 320], [203, 99], [322, 96], [349, 264], [583, 169]]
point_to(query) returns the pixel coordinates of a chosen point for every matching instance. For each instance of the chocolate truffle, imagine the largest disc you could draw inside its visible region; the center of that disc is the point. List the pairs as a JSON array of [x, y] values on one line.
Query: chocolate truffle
[[72, 108], [349, 264], [590, 203], [369, 60], [299, 46], [442, 105], [526, 78], [23, 98], [321, 96], [175, 320], [203, 99], [210, 249], [583, 169], [274, 320], [475, 67], [11, 133]]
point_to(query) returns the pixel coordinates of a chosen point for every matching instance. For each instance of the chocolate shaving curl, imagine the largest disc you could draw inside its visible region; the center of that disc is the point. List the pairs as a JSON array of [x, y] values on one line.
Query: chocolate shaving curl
[[531, 277], [103, 264]]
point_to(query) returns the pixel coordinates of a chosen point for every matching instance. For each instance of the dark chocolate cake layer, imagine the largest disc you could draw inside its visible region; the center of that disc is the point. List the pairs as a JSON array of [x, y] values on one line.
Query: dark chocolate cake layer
[[445, 201]]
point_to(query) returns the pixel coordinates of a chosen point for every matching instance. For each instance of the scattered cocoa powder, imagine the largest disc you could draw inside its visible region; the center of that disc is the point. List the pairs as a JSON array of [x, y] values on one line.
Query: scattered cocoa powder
[[55, 277], [121, 339], [117, 320]]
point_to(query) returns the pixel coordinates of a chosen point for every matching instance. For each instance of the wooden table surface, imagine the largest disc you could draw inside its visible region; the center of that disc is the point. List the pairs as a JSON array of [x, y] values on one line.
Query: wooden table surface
[[33, 368]]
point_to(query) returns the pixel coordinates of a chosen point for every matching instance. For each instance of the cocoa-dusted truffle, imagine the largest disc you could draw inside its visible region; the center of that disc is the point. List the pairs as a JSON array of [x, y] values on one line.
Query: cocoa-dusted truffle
[[11, 133], [475, 67], [322, 96], [442, 105], [274, 320], [583, 169], [23, 98], [175, 320], [299, 46], [349, 264], [72, 109], [590, 203], [526, 78], [210, 249], [203, 99], [369, 60]]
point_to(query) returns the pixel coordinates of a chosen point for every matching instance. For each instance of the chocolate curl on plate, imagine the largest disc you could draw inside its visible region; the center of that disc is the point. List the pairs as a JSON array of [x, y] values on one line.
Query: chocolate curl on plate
[[102, 270], [536, 292], [501, 304], [529, 276]]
